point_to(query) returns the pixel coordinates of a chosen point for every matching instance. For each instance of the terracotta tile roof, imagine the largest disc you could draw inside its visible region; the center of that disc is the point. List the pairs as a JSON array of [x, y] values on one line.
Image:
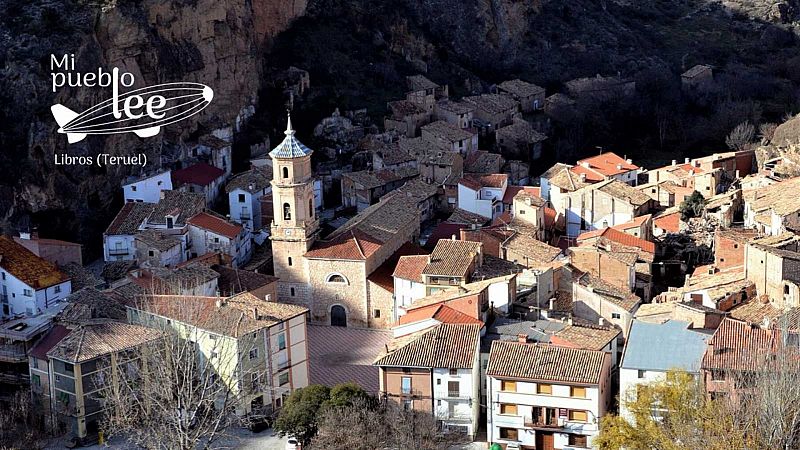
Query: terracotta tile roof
[[157, 240], [451, 346], [590, 175], [778, 197], [669, 222], [440, 312], [411, 267], [352, 245], [201, 174], [524, 192], [623, 191], [620, 238], [455, 107], [215, 224], [419, 83], [524, 243], [345, 355], [234, 316], [90, 304], [520, 88], [446, 131], [457, 292], [589, 337], [234, 281], [608, 164], [475, 182], [739, 346], [564, 179], [755, 311], [32, 270], [382, 276], [129, 218], [481, 161], [370, 179], [635, 223], [508, 359], [402, 108], [462, 216], [452, 258], [92, 341], [493, 103], [626, 300], [445, 230], [253, 181], [50, 340], [176, 203]]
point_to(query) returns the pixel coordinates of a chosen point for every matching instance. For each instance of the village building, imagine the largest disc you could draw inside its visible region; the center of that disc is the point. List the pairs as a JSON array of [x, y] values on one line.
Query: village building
[[530, 96], [520, 140], [431, 316], [449, 138], [720, 289], [147, 188], [665, 193], [693, 313], [118, 239], [406, 117], [409, 285], [493, 111], [392, 157], [545, 396], [526, 206], [773, 209], [236, 281], [729, 246], [666, 222], [424, 92], [483, 162], [482, 194], [640, 227], [364, 188], [156, 249], [257, 348], [594, 299], [55, 251], [772, 263], [246, 194], [606, 166], [210, 233], [436, 371], [83, 354], [652, 350], [600, 89], [455, 113], [473, 299], [690, 175], [329, 276], [604, 204], [427, 196], [518, 172], [200, 178], [451, 263], [28, 284], [697, 77]]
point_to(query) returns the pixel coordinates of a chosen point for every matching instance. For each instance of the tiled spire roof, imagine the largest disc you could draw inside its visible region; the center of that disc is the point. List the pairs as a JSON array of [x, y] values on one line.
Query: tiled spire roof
[[290, 147]]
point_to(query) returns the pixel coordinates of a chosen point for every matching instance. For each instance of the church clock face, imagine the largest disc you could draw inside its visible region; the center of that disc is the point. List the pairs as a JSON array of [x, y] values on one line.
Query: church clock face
[[287, 232]]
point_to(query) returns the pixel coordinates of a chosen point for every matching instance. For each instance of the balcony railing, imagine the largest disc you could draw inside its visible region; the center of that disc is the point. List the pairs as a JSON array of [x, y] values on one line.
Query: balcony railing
[[13, 352], [245, 216], [118, 251], [541, 423]]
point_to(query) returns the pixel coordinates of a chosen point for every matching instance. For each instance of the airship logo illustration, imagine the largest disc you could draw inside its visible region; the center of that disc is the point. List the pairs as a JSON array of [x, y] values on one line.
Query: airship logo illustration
[[141, 111]]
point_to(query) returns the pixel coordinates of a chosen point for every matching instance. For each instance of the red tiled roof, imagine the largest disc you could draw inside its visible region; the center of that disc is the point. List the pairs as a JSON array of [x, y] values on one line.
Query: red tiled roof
[[350, 245], [502, 219], [382, 276], [635, 223], [620, 238], [51, 339], [688, 167], [606, 163], [549, 218], [440, 312], [411, 267], [445, 230], [475, 181], [669, 222], [215, 224], [201, 174], [592, 175], [737, 345], [512, 191], [444, 346], [27, 267], [511, 359]]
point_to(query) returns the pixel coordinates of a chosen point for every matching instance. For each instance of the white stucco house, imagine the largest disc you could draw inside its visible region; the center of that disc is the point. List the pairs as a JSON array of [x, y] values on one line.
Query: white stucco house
[[210, 233], [482, 194], [28, 283], [147, 189], [409, 285], [245, 191]]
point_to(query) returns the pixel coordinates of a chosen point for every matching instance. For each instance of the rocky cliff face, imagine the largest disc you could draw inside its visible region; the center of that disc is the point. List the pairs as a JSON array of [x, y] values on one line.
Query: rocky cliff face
[[215, 42]]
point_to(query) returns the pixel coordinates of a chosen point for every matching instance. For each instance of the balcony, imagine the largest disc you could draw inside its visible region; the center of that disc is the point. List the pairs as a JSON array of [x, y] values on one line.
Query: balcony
[[118, 251], [245, 216], [540, 422], [13, 353]]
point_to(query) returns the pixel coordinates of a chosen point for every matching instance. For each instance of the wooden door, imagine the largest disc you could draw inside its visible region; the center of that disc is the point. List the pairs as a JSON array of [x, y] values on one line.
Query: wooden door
[[544, 441]]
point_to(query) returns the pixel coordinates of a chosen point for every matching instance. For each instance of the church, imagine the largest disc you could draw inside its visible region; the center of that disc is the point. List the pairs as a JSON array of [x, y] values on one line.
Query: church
[[339, 278]]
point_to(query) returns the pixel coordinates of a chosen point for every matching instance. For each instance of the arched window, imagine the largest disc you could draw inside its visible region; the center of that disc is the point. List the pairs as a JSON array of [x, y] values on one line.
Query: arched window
[[311, 208], [336, 278], [285, 172], [287, 212]]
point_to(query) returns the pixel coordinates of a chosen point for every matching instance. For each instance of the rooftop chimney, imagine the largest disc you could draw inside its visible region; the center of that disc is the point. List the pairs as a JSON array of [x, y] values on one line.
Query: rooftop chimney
[[268, 297], [674, 162], [453, 237], [522, 338], [629, 161], [255, 313], [24, 235], [583, 177], [686, 160], [218, 303], [619, 166], [602, 321]]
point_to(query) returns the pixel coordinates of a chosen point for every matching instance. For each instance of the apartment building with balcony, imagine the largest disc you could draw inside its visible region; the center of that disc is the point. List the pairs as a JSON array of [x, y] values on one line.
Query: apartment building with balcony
[[436, 371], [451, 264], [258, 348], [546, 397]]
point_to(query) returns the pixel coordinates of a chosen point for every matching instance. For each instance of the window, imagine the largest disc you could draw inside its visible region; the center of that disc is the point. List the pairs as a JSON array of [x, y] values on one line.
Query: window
[[577, 440], [508, 386], [735, 245], [578, 416], [241, 198], [453, 372], [283, 378], [509, 434], [69, 368], [544, 389], [254, 380], [287, 212], [290, 261], [216, 240], [36, 379], [522, 211], [311, 208], [253, 353], [3, 275], [438, 381], [640, 374], [336, 278], [170, 222], [133, 188], [57, 289], [27, 293], [281, 341], [453, 389], [405, 385], [151, 253], [376, 313], [786, 290], [291, 292], [408, 405], [505, 408], [579, 392], [717, 375], [616, 316], [285, 172]]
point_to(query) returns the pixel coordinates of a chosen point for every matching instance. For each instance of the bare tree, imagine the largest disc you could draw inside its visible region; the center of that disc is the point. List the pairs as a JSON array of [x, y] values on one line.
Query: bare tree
[[766, 131], [20, 427], [362, 424], [741, 137], [182, 392]]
